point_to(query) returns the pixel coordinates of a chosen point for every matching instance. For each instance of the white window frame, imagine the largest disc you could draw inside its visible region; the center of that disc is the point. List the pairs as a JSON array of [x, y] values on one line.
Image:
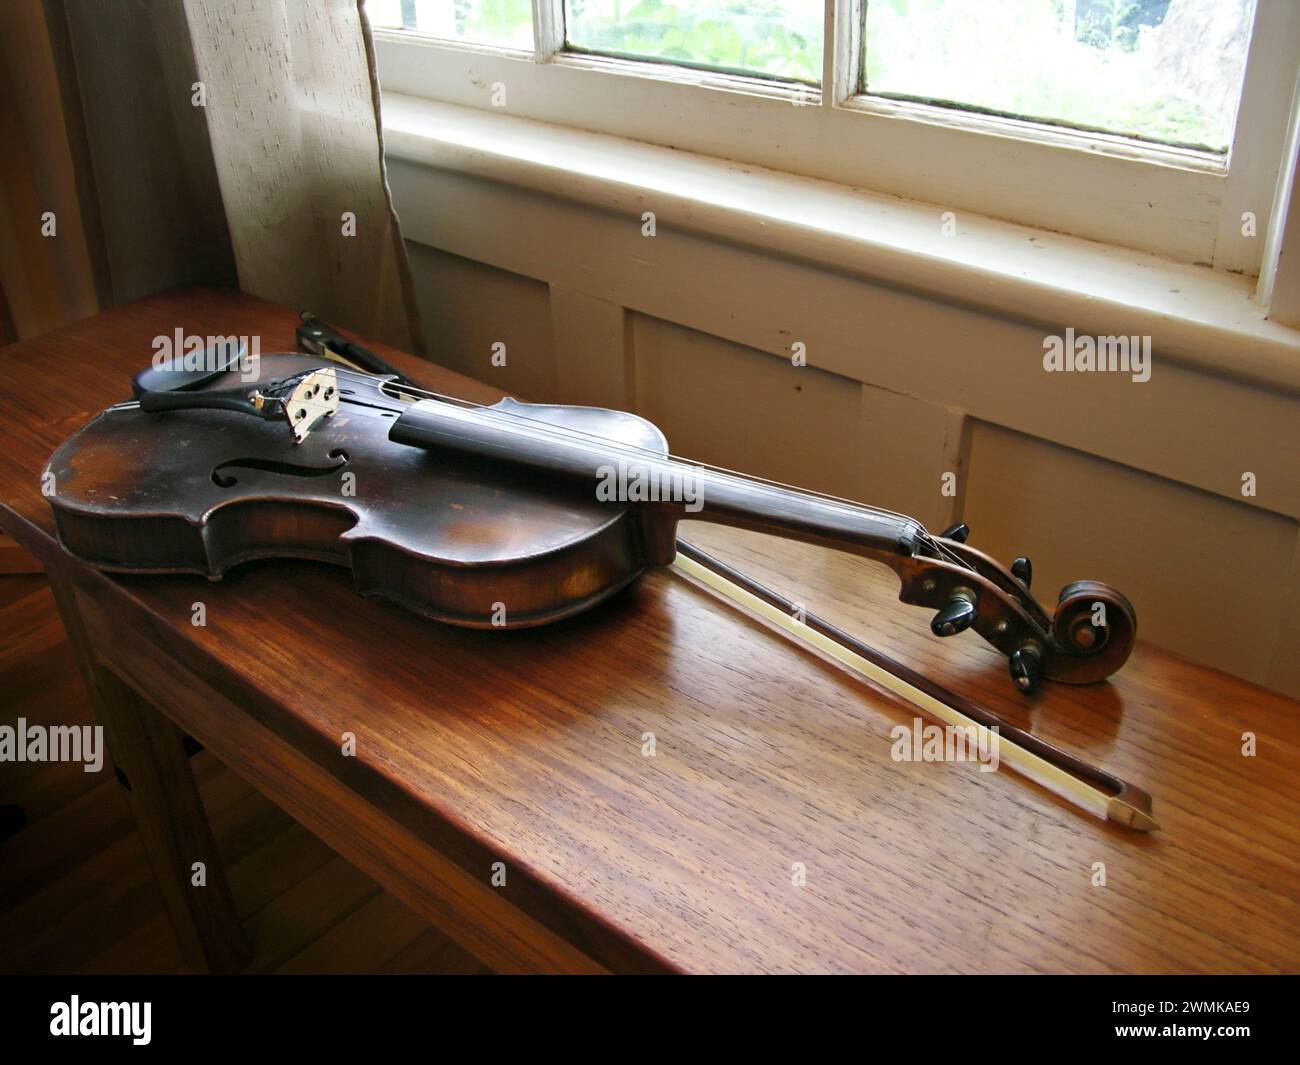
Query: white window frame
[[1183, 204]]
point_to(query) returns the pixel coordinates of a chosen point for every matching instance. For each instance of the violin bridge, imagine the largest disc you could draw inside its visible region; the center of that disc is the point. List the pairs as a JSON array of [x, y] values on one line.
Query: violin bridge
[[315, 398]]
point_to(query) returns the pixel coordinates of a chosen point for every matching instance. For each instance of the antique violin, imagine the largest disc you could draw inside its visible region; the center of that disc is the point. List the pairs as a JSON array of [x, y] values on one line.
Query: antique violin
[[508, 515]]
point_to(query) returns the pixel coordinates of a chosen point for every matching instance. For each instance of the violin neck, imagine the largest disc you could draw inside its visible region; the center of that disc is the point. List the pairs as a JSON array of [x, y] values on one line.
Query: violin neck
[[668, 489]]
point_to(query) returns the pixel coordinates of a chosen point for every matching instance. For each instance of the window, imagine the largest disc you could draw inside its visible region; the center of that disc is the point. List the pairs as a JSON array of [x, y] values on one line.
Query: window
[[1156, 124], [770, 38], [505, 23], [1157, 70]]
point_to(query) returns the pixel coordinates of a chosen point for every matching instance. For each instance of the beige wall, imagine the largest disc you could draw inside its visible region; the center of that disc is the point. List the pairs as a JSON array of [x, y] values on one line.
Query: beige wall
[[1090, 475]]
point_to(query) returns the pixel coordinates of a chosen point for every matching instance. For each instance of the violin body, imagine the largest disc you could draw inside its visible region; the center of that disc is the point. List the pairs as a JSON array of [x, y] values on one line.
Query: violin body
[[486, 516], [451, 536]]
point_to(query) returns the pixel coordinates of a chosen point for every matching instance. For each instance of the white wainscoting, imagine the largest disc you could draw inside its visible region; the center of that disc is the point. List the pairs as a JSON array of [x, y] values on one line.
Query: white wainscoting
[[1091, 475]]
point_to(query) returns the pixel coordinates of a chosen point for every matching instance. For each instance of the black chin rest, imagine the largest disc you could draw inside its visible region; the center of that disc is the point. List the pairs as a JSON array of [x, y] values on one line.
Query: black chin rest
[[174, 376]]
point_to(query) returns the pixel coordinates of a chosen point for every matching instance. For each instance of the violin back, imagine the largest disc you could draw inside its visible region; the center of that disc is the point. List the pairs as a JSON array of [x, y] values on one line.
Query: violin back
[[453, 537]]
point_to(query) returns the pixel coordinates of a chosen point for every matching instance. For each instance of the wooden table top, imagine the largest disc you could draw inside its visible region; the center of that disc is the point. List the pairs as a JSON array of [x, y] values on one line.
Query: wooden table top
[[527, 747]]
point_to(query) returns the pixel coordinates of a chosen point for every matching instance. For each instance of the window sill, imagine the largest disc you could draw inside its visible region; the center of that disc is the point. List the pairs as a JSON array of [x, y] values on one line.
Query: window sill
[[1196, 316]]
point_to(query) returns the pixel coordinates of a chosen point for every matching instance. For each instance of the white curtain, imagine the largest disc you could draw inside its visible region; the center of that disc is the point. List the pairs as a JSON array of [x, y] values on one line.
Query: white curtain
[[198, 141], [293, 117]]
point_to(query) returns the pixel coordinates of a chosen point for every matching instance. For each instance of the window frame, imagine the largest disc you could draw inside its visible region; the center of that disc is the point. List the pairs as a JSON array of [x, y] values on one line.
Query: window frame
[[1176, 202]]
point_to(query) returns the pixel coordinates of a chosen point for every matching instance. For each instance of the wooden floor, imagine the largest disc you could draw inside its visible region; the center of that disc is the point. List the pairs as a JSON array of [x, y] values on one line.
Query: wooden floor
[[76, 895]]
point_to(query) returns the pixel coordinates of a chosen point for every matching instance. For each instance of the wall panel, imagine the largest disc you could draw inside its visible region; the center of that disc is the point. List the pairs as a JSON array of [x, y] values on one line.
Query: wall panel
[[1092, 475], [468, 307], [1209, 577]]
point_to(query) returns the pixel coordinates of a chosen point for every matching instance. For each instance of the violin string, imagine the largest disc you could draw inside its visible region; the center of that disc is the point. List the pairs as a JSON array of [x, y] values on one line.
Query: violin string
[[380, 384], [350, 370], [566, 432]]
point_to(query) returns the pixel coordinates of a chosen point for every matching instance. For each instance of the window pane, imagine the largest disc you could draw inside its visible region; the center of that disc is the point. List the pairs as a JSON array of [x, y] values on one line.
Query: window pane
[[1161, 70], [773, 38], [508, 23]]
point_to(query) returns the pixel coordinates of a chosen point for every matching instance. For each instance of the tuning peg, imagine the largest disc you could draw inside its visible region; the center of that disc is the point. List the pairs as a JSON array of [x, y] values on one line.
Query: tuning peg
[[957, 532], [1026, 668], [955, 617], [1023, 570]]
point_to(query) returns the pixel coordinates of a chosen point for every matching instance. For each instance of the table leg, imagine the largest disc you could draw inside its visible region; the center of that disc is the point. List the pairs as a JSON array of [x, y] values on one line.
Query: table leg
[[165, 800]]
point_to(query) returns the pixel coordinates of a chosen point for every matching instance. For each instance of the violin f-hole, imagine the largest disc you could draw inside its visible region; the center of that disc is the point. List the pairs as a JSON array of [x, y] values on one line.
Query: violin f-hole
[[288, 469]]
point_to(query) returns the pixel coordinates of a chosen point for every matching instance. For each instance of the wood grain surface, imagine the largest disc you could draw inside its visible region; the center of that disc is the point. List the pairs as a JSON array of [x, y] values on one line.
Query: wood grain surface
[[526, 748], [77, 894]]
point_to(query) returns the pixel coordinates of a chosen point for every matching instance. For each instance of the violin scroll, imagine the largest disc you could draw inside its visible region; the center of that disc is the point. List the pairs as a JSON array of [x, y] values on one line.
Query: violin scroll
[[1095, 625], [1086, 639]]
